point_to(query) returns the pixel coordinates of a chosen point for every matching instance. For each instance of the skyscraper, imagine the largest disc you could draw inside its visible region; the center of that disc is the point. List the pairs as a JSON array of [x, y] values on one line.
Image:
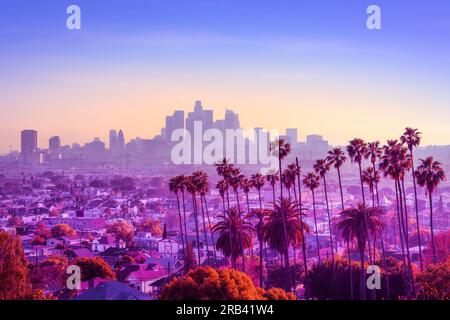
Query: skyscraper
[[112, 140], [28, 143], [292, 135], [120, 142], [54, 143], [174, 122]]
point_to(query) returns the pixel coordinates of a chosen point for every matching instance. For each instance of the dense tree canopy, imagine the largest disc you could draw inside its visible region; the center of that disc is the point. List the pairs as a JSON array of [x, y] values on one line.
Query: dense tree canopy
[[206, 283]]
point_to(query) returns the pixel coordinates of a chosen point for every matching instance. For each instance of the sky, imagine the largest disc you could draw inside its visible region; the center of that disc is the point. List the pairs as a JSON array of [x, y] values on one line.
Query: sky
[[313, 65]]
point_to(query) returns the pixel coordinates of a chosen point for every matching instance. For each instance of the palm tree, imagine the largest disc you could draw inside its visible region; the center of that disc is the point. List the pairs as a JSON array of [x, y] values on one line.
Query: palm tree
[[411, 137], [235, 234], [429, 175], [192, 189], [356, 150], [246, 186], [200, 181], [321, 167], [284, 214], [393, 163], [312, 182], [261, 215], [297, 170], [204, 188], [258, 181], [281, 149], [222, 186], [337, 158], [174, 186], [235, 179], [223, 169], [354, 224], [272, 177], [371, 178]]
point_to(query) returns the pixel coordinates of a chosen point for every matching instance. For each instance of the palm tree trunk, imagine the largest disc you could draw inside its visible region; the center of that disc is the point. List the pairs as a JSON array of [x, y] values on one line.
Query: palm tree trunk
[[400, 227], [364, 206], [362, 277], [273, 191], [194, 204], [331, 233], [210, 228], [242, 244], [351, 271], [231, 242], [315, 224], [300, 204], [181, 227], [184, 215], [283, 218], [260, 254], [205, 231], [431, 228], [417, 210], [348, 243], [405, 232]]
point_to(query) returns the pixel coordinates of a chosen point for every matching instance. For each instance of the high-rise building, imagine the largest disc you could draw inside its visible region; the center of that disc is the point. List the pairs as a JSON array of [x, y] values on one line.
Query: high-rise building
[[120, 142], [173, 122], [54, 143], [28, 145], [112, 140], [292, 135], [28, 141]]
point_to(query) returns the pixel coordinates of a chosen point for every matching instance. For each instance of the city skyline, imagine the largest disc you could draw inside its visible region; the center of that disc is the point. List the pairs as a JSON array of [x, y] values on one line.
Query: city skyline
[[318, 66], [115, 139]]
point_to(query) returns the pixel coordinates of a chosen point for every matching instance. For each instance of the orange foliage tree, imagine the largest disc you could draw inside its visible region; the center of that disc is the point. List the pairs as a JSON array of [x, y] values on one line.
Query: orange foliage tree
[[207, 283], [62, 230], [14, 280], [434, 283], [94, 268]]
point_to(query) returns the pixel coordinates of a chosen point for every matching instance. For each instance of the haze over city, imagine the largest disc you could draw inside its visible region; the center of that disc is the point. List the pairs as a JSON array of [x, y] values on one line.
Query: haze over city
[[317, 66]]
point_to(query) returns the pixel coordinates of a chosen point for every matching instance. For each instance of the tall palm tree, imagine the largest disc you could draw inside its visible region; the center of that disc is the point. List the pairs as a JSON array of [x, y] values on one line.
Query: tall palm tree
[[235, 180], [174, 186], [393, 163], [246, 186], [287, 181], [321, 167], [261, 215], [371, 178], [411, 137], [284, 214], [272, 177], [297, 171], [223, 169], [354, 224], [429, 175], [222, 186], [337, 158], [258, 181], [235, 234], [204, 189], [312, 182], [192, 189], [200, 181], [281, 150], [356, 150]]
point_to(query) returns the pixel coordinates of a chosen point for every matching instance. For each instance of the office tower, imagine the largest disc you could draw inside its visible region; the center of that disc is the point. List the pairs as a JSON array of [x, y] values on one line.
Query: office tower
[[112, 140], [120, 142], [174, 122], [292, 135], [201, 115], [231, 120], [28, 142], [54, 143]]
